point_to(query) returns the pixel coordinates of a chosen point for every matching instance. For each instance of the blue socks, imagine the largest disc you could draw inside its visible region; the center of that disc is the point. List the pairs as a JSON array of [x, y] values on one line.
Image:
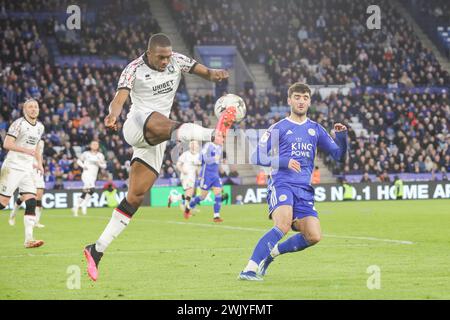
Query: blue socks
[[195, 202], [295, 243], [217, 204], [265, 244]]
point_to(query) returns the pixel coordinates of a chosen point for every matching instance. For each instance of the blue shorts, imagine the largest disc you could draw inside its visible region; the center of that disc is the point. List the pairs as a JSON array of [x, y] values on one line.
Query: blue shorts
[[300, 199], [207, 183]]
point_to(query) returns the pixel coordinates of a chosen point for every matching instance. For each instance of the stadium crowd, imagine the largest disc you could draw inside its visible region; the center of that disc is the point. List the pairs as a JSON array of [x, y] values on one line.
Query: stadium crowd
[[406, 132], [316, 42]]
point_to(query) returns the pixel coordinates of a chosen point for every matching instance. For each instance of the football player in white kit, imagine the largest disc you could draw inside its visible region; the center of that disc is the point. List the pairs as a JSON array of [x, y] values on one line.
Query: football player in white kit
[[22, 142], [40, 187], [187, 164], [151, 81], [90, 161]]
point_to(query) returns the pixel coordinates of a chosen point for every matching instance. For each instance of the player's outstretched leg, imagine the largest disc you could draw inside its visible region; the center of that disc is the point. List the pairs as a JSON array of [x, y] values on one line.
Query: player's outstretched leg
[[141, 179], [159, 128]]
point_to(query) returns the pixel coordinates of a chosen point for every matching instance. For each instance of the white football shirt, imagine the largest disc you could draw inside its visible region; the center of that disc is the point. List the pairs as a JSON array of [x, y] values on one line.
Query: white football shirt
[[190, 162], [91, 163], [27, 136], [152, 90]]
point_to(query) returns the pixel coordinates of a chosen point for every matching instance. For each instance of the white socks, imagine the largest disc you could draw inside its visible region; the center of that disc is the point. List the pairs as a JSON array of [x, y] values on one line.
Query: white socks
[[38, 214], [115, 226], [251, 266], [28, 222], [275, 251], [191, 131]]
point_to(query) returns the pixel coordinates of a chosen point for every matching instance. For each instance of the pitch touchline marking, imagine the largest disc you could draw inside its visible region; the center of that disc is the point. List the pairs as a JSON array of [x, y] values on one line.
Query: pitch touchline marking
[[261, 230], [161, 251]]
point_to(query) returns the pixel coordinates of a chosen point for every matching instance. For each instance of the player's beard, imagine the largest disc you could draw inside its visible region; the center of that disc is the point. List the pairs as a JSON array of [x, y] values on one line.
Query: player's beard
[[299, 113]]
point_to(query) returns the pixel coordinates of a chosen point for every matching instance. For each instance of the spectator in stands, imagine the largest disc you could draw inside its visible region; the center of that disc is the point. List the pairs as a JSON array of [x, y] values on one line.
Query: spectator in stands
[[365, 178], [261, 178], [315, 179]]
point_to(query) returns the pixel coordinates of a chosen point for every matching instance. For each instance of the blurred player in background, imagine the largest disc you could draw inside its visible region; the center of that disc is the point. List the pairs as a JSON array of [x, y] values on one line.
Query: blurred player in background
[[290, 194], [151, 81], [90, 161], [187, 165], [209, 179], [40, 187], [22, 142]]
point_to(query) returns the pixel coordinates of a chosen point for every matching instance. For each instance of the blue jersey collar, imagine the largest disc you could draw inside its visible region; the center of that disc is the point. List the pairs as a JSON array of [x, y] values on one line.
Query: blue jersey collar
[[298, 123]]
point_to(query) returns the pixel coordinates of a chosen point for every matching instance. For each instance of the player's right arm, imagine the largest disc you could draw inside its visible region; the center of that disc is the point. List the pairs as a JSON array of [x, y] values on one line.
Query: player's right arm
[[124, 86], [265, 153], [80, 161], [10, 140], [115, 108], [10, 144]]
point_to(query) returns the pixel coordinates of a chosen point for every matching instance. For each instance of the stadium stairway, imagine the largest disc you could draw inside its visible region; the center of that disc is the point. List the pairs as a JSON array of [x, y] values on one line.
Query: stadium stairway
[[194, 84], [443, 61], [262, 79]]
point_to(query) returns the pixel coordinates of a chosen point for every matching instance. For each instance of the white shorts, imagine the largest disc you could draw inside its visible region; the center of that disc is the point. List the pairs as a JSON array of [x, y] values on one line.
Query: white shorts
[[88, 181], [133, 132], [39, 180], [188, 181], [11, 179]]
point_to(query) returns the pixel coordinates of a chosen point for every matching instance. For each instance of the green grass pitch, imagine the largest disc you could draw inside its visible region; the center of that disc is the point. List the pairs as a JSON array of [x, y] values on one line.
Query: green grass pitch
[[162, 256]]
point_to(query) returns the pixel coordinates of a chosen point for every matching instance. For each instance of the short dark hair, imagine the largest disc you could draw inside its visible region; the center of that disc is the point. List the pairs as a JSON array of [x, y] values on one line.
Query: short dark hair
[[158, 40], [300, 88]]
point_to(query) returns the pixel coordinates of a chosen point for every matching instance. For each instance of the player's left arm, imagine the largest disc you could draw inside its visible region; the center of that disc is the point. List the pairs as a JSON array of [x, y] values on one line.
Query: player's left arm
[[102, 162], [38, 156], [214, 75], [337, 148]]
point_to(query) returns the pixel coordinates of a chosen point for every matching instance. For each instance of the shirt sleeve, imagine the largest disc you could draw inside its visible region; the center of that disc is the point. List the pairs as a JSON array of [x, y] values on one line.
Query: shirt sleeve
[[186, 64], [267, 150], [14, 129], [209, 154], [126, 80], [336, 148]]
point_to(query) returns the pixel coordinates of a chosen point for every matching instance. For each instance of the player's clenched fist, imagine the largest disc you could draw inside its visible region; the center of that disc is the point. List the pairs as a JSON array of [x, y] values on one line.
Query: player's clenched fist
[[219, 74], [338, 127], [294, 165], [111, 122]]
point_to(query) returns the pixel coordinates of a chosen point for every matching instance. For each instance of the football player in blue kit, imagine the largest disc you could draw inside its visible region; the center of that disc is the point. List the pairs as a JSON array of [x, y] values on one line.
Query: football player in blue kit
[[209, 178], [289, 148]]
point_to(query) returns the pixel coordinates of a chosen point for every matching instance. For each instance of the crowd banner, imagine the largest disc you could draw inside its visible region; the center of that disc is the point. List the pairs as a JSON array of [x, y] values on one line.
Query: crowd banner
[[64, 199], [361, 192]]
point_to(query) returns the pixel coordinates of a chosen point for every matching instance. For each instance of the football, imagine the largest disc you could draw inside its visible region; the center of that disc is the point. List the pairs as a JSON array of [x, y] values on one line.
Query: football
[[230, 100]]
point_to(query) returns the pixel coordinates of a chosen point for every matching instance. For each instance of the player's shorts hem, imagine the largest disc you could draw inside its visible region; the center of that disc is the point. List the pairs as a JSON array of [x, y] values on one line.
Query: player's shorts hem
[[8, 134], [5, 195], [126, 88], [22, 193], [143, 130], [145, 164], [273, 209]]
